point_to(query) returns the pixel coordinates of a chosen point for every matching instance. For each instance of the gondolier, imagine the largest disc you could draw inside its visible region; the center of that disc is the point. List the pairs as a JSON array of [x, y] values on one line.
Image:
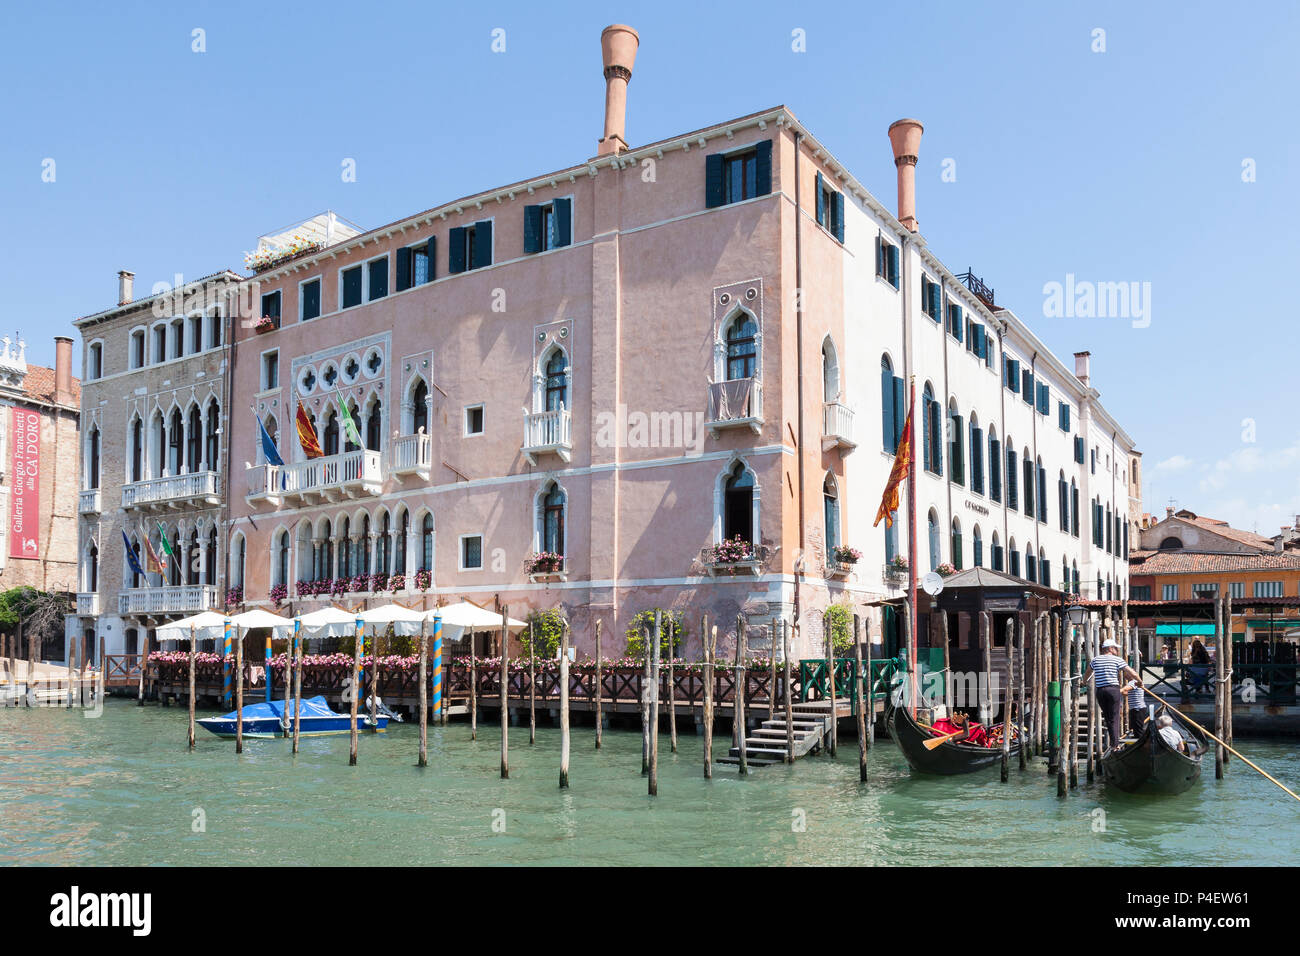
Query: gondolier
[[1107, 671]]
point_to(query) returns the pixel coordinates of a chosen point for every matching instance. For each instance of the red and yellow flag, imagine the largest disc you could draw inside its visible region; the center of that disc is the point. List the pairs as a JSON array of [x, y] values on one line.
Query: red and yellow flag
[[307, 434], [153, 563], [902, 467]]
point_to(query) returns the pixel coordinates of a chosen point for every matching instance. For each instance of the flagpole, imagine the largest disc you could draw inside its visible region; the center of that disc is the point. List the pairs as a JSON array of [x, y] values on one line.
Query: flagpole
[[911, 548]]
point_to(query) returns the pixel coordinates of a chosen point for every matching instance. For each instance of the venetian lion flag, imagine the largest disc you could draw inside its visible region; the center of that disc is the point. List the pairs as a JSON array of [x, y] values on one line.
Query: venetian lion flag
[[902, 466], [307, 434], [153, 562]]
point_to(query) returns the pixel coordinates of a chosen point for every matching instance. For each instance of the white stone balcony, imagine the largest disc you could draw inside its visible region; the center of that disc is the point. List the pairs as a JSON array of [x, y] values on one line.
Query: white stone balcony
[[737, 403], [167, 600], [88, 604], [548, 433], [837, 427], [413, 455], [88, 502], [332, 478], [174, 491]]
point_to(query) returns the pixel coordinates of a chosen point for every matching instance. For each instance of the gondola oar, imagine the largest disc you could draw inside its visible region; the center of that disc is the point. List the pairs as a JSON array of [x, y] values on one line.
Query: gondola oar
[[1244, 760], [936, 741]]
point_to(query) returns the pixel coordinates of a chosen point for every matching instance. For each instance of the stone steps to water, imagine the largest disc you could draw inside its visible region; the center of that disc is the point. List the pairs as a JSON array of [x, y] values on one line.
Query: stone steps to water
[[769, 743]]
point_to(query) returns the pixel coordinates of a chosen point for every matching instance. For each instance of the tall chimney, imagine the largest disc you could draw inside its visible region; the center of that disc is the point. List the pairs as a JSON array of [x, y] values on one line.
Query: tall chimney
[[125, 287], [62, 370], [905, 137], [1082, 366], [618, 45]]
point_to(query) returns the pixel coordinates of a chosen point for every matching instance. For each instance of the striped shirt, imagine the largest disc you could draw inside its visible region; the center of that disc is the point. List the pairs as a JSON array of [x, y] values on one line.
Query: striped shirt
[[1137, 698], [1106, 667]]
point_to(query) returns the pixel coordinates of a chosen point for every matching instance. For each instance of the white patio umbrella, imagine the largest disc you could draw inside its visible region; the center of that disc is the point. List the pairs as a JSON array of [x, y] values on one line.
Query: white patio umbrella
[[207, 624], [404, 620], [458, 619], [259, 617], [329, 622]]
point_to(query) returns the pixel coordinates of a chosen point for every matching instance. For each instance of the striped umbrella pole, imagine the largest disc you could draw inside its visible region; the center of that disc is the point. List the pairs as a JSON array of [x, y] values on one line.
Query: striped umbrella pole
[[437, 668], [227, 647], [268, 667]]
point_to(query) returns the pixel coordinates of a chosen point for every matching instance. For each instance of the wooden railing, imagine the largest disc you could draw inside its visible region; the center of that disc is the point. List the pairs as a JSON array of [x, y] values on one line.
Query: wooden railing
[[1266, 683], [813, 683], [121, 670], [619, 685]]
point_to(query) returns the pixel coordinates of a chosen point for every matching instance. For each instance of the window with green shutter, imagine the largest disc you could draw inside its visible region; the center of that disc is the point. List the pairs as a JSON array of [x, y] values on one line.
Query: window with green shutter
[[351, 279], [887, 261], [469, 247]]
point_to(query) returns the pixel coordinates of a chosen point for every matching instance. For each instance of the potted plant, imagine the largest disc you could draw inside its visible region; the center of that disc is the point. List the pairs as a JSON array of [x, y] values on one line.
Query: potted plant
[[423, 579], [278, 594], [397, 582], [733, 551], [945, 570], [843, 554], [267, 323], [234, 595], [544, 562]]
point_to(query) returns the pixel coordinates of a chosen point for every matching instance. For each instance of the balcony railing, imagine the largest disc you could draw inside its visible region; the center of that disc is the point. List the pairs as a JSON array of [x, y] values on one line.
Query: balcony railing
[[837, 427], [412, 455], [88, 502], [348, 475], [88, 604], [188, 597], [737, 403], [173, 491], [750, 563], [548, 433]]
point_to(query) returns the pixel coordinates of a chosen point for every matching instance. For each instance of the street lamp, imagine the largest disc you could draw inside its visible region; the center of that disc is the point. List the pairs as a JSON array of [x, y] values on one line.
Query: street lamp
[[1077, 614]]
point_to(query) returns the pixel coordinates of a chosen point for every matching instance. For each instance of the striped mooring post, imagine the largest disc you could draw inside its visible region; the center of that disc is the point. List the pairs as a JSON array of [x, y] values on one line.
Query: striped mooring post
[[227, 647], [437, 668], [267, 677]]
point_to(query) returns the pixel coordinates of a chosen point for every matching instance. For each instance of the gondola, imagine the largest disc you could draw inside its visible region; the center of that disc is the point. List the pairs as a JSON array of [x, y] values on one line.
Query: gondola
[[1149, 765], [948, 758]]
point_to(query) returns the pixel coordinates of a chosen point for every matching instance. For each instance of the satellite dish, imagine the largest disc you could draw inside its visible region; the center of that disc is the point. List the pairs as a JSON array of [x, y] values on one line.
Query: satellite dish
[[932, 584]]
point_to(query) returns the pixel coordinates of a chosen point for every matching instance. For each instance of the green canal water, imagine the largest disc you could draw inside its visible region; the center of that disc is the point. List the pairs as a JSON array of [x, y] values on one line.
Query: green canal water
[[123, 789]]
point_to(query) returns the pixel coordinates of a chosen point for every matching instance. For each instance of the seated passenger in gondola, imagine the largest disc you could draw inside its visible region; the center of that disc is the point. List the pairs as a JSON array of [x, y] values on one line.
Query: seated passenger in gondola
[[1170, 735], [972, 731]]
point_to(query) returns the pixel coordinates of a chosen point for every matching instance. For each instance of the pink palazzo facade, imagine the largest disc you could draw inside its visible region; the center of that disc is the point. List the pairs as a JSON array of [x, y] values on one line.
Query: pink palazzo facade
[[697, 355]]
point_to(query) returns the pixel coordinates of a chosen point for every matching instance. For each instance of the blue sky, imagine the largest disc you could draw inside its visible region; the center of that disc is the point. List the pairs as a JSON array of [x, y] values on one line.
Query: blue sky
[[1122, 165]]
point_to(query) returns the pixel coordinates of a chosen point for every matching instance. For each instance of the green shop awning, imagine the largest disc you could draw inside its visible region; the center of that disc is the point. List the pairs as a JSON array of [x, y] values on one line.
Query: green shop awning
[[1187, 630]]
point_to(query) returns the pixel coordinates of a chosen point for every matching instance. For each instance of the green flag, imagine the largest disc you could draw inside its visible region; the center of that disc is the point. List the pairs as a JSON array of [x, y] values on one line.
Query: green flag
[[166, 545], [349, 426]]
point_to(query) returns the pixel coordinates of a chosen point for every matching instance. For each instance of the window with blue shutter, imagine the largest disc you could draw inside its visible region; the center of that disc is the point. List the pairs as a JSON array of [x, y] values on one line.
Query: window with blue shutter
[[1074, 510], [900, 413], [838, 217], [1064, 416], [1013, 498], [562, 228], [889, 434], [482, 244], [456, 249], [402, 270], [532, 229], [954, 320], [733, 177], [1027, 386], [995, 469], [821, 197], [310, 299], [1042, 494], [1063, 503], [351, 287], [976, 459], [929, 296], [887, 261], [762, 168], [956, 452], [1078, 449], [378, 269], [714, 194]]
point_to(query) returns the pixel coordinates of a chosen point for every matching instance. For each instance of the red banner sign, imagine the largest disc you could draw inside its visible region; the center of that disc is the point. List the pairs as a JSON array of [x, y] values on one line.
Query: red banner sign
[[25, 494]]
